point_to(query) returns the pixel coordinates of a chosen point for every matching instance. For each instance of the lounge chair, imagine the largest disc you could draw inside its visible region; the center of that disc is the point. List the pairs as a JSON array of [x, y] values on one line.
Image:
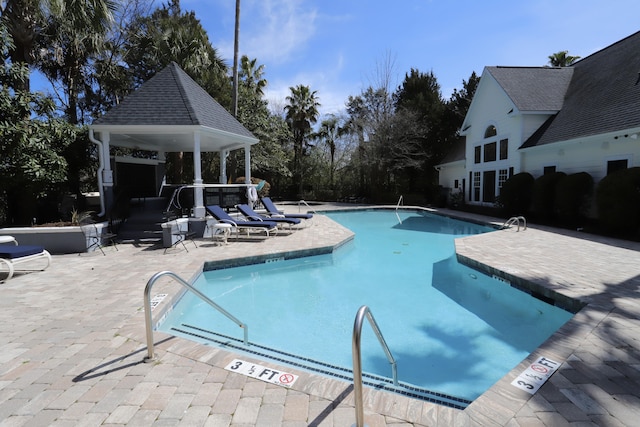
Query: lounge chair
[[10, 255], [254, 216], [273, 211], [219, 214]]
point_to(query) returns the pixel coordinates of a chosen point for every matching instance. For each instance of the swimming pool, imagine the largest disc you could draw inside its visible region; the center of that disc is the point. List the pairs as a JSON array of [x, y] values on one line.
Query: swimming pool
[[452, 330]]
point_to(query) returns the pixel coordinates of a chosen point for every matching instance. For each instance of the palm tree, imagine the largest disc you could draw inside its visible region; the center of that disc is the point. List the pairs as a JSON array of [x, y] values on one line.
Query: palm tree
[[329, 132], [301, 112], [75, 33], [22, 19], [562, 59], [252, 75], [26, 19]]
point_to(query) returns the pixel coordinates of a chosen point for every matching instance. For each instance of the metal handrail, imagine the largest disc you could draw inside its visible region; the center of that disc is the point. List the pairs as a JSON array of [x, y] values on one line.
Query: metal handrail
[[515, 220], [357, 359], [400, 202], [307, 205], [147, 309]]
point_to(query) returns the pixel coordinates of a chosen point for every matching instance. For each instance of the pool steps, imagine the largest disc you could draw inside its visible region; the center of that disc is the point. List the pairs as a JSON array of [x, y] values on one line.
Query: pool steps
[[374, 381]]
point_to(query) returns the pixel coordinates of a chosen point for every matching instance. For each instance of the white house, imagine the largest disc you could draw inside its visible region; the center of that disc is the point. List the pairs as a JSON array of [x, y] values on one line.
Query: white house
[[582, 118]]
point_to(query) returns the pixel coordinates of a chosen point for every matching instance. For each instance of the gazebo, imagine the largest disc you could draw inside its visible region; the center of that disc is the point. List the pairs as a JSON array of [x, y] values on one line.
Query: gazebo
[[170, 113]]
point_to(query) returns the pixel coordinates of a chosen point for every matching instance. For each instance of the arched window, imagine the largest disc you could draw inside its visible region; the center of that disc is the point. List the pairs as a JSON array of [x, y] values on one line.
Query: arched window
[[490, 131]]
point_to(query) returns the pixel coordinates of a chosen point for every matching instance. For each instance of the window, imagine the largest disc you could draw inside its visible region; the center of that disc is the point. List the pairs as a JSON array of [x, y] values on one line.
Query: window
[[477, 154], [503, 175], [490, 131], [504, 149], [548, 169], [617, 165], [490, 152], [476, 186], [456, 184]]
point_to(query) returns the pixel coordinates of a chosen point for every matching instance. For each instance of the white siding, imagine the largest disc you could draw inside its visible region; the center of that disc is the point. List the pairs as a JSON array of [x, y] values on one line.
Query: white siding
[[491, 106], [589, 156], [449, 173]]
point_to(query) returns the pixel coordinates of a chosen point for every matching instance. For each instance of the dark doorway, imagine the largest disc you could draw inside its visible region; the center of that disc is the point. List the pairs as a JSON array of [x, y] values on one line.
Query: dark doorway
[[489, 186]]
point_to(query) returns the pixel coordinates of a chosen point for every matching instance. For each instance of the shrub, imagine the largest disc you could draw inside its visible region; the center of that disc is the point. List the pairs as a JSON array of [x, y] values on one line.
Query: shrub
[[544, 195], [618, 201], [515, 195], [573, 198]]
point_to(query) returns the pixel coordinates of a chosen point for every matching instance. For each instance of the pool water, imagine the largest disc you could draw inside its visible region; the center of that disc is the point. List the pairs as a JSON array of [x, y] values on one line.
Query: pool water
[[451, 329]]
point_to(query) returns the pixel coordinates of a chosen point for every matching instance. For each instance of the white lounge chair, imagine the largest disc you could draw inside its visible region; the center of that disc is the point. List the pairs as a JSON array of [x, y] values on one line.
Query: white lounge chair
[[10, 255]]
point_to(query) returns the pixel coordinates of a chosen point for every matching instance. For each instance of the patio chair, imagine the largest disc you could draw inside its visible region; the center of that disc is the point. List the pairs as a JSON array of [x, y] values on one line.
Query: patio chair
[[250, 214], [219, 214], [97, 238], [10, 255], [274, 212]]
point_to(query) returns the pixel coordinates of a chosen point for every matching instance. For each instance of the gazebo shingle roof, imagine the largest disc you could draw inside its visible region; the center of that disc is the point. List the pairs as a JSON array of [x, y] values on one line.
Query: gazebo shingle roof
[[172, 98]]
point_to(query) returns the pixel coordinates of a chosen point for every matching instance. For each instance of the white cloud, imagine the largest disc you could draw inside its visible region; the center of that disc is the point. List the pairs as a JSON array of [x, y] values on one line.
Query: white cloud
[[275, 29]]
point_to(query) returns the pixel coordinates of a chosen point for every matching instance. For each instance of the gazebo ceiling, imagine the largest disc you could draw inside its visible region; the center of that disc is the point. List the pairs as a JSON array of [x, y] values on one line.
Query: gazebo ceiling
[[173, 138]]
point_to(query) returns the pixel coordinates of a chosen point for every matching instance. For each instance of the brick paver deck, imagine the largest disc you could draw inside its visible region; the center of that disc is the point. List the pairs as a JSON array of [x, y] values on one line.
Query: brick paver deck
[[72, 343]]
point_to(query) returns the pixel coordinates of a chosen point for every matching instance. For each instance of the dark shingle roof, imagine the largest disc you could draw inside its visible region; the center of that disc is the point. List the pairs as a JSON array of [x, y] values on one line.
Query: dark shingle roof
[[173, 98], [604, 96], [533, 88]]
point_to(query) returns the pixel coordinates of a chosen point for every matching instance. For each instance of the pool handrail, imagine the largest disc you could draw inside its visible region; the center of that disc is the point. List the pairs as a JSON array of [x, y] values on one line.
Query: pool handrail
[[363, 312], [514, 220], [302, 202], [147, 309]]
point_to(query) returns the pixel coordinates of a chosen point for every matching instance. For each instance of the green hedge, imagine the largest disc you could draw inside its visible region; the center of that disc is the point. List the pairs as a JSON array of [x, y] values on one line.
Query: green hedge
[[618, 201], [573, 198], [515, 195], [544, 195]]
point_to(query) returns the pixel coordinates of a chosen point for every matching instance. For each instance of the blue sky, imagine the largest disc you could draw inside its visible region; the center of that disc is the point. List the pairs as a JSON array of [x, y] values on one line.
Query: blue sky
[[335, 47]]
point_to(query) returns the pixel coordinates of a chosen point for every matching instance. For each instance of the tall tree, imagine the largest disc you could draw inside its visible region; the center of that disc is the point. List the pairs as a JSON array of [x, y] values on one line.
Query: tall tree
[[236, 47], [74, 34], [171, 34], [329, 132], [32, 144], [562, 59], [268, 159], [24, 20], [301, 113], [110, 80]]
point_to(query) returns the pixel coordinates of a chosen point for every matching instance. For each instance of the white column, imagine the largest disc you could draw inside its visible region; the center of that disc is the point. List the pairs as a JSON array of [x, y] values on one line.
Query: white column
[[247, 164], [223, 166], [107, 173], [198, 196]]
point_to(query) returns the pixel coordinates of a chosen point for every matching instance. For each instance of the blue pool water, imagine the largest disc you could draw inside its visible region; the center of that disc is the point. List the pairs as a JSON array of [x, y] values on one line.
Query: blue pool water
[[451, 329]]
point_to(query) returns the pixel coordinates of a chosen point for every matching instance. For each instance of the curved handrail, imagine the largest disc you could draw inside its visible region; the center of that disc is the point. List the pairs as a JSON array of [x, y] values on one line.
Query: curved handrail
[[147, 309], [363, 312], [302, 202], [515, 220], [400, 202]]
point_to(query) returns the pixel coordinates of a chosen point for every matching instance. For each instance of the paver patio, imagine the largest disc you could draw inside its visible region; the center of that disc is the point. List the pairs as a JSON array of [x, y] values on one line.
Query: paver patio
[[72, 343]]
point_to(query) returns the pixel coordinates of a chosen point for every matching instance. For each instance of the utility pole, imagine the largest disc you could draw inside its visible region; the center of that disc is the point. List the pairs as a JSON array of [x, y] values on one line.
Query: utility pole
[[235, 60]]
